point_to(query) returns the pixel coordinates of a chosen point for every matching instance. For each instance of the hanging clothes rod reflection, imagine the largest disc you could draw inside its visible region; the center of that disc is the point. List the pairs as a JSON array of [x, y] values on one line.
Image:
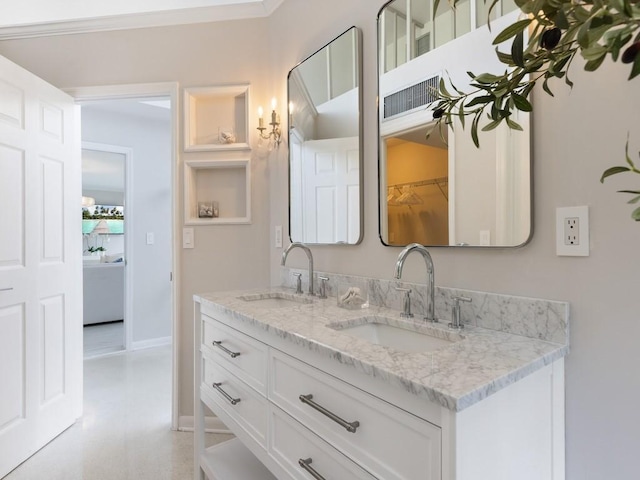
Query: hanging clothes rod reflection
[[439, 182]]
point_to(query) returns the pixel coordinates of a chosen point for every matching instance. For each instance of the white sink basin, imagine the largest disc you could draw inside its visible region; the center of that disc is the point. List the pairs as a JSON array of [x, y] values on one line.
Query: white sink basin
[[276, 299], [397, 334]]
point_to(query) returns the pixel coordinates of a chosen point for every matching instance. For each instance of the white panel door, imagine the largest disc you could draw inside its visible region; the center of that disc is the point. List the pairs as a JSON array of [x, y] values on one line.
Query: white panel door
[[40, 264], [330, 185]]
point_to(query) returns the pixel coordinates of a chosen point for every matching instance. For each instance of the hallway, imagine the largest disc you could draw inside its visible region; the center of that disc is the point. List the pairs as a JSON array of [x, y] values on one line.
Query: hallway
[[125, 430]]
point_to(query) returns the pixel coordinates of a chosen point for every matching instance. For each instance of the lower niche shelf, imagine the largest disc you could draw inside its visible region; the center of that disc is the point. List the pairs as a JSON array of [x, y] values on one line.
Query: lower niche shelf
[[217, 192], [231, 460]]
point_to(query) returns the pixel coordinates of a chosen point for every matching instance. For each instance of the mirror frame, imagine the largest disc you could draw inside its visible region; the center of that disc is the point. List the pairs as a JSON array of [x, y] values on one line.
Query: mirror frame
[[381, 170], [358, 71]]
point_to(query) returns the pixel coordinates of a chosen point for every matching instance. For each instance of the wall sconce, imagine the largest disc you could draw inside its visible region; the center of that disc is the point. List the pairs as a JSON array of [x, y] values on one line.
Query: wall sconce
[[274, 136]]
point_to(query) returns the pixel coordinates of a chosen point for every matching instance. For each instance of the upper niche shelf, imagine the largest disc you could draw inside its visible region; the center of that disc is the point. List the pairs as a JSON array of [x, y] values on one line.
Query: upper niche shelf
[[216, 118]]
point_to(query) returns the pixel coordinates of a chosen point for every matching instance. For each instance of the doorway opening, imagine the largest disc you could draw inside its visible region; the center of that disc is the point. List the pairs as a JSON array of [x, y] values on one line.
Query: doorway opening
[[140, 122]]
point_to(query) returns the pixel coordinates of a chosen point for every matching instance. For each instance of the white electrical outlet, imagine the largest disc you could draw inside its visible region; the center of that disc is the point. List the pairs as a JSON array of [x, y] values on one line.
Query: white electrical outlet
[[485, 238], [150, 238], [572, 231], [278, 239]]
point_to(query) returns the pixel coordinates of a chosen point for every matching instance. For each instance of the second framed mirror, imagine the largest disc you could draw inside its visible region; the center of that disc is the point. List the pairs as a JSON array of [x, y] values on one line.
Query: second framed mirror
[[325, 144]]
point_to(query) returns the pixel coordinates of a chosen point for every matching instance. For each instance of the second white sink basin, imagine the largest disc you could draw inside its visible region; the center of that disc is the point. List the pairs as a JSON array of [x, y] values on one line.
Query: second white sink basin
[[276, 299], [397, 334]]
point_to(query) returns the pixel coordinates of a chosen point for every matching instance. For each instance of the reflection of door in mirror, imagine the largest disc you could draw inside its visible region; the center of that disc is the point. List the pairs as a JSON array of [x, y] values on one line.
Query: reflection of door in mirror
[[469, 196], [325, 174], [325, 180]]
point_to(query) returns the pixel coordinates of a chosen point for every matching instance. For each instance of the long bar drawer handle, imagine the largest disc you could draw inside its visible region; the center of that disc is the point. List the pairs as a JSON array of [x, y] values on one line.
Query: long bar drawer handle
[[350, 426], [225, 350], [232, 401], [306, 464], [6, 289]]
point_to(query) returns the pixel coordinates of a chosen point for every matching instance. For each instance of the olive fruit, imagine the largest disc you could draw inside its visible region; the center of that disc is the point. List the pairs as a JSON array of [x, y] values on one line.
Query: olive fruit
[[438, 112], [631, 52], [550, 38]]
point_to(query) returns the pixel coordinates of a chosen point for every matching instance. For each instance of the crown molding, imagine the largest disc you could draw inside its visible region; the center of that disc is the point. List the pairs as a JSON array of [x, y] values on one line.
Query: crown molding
[[263, 8]]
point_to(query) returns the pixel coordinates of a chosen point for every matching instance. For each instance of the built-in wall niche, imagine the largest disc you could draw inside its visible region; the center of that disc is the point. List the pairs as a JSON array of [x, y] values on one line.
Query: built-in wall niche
[[216, 118], [217, 192]]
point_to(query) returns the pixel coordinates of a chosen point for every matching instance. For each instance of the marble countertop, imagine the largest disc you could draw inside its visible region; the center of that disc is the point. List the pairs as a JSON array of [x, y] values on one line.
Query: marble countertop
[[456, 375]]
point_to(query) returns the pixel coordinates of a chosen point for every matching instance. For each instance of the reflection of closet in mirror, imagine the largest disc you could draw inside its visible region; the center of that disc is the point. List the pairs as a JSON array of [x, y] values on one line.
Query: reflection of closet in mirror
[[417, 176]]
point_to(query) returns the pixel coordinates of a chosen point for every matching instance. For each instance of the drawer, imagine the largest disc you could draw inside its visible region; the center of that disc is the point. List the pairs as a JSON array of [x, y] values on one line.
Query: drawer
[[247, 407], [387, 441], [237, 352], [290, 443]]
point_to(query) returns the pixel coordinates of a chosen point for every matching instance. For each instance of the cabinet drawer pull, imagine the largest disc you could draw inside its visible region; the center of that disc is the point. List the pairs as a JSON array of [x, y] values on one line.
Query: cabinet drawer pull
[[306, 464], [349, 426], [232, 401], [218, 344]]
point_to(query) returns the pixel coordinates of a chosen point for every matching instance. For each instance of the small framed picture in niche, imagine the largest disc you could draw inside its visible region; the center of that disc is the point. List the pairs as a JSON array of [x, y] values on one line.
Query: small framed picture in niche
[[208, 210]]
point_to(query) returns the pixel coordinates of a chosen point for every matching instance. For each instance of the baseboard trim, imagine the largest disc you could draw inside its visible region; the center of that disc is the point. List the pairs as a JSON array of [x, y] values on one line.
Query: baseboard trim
[[211, 425], [153, 342]]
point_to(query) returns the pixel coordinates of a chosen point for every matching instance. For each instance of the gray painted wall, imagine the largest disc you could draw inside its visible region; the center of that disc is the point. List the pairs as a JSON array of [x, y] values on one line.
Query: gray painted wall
[[151, 195], [577, 135]]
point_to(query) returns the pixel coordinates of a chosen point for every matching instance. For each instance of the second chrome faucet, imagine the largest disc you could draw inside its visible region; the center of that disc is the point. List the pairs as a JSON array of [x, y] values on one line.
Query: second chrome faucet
[[430, 315], [306, 250]]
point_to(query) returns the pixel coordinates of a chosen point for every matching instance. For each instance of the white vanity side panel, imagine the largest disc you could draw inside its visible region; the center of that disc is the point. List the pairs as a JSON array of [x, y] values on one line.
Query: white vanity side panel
[[515, 425]]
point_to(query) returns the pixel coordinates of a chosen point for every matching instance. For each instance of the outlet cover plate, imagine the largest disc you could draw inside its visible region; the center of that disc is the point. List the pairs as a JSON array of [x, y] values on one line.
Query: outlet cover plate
[[563, 214]]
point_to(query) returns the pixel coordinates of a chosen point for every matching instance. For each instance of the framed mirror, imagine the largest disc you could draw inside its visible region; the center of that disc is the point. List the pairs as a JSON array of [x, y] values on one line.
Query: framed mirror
[[442, 190], [325, 144]]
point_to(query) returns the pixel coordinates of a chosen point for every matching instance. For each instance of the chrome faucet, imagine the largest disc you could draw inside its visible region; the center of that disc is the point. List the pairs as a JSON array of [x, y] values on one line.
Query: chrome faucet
[[309, 256], [430, 317]]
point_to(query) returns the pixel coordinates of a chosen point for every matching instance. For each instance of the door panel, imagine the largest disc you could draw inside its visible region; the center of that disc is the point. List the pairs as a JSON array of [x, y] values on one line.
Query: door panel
[[12, 367], [52, 355], [40, 265], [12, 186]]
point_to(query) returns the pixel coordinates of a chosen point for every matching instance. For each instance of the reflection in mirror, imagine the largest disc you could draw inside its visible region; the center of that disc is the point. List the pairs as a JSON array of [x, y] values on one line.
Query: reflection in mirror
[[442, 190], [325, 144]]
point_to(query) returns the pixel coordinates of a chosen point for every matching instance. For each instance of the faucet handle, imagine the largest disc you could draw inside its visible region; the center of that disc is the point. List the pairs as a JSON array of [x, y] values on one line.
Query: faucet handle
[[323, 286], [455, 312], [406, 302], [298, 282]]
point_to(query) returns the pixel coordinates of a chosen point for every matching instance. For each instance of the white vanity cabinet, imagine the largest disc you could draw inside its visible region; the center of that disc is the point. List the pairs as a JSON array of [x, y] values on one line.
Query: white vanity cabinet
[[304, 415]]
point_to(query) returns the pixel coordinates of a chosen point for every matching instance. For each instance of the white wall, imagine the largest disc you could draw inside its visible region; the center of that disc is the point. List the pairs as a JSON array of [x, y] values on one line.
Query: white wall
[[150, 142], [224, 257], [577, 135]]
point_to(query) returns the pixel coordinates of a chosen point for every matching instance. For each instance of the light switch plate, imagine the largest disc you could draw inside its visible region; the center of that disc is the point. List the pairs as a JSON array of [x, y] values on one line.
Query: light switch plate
[[150, 238], [572, 231], [187, 237]]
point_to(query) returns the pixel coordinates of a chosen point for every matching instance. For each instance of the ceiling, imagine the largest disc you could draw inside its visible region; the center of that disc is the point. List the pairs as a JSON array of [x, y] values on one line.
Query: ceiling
[[33, 18]]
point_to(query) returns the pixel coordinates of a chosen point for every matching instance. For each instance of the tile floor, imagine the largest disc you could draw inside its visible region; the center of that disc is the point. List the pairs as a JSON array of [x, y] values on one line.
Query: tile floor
[[103, 338], [124, 433]]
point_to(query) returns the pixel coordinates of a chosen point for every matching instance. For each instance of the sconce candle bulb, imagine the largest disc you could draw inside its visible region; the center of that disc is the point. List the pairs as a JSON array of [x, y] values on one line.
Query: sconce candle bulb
[[274, 136]]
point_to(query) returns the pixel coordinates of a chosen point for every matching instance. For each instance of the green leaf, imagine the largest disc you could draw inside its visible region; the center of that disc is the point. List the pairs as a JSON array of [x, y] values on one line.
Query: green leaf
[[593, 65], [633, 192], [504, 57], [636, 214], [487, 78], [474, 130], [613, 171], [479, 99], [635, 69], [546, 88], [593, 53], [513, 125], [516, 50], [633, 200], [521, 103], [492, 125], [443, 88], [626, 154], [512, 30]]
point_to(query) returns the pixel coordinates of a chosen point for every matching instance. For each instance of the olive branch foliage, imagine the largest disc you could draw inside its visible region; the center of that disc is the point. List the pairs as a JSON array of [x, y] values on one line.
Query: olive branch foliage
[[558, 30]]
